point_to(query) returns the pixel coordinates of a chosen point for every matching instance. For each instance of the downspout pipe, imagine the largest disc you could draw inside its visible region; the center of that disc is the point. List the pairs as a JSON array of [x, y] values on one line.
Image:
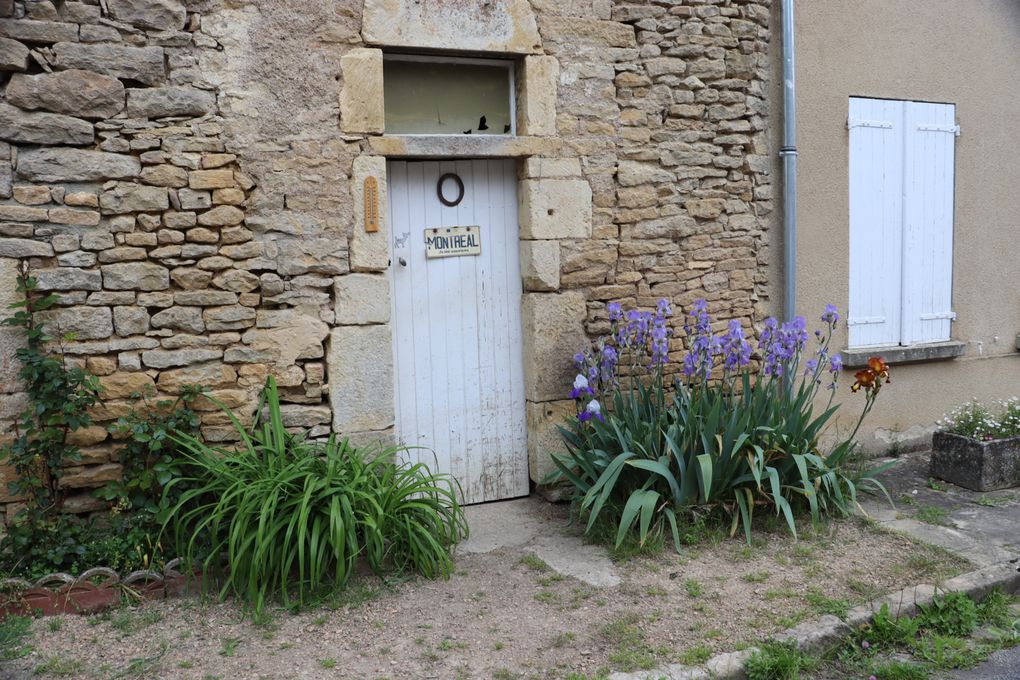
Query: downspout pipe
[[788, 154]]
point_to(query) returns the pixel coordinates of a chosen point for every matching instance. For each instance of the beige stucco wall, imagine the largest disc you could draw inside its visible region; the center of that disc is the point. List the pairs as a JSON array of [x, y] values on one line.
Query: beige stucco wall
[[967, 53]]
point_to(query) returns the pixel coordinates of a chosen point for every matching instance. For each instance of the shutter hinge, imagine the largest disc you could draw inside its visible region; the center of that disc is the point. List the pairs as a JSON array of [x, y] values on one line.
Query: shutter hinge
[[862, 320], [955, 129], [851, 123]]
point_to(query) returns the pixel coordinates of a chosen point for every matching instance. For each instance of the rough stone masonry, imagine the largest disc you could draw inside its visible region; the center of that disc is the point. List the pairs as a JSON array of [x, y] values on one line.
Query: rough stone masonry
[[184, 175]]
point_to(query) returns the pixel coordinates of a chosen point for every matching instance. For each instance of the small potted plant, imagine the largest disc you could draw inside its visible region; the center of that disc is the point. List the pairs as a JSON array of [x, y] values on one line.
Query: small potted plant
[[977, 447]]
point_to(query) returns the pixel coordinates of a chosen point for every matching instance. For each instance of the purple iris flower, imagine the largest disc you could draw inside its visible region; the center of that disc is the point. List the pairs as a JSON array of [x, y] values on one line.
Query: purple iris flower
[[831, 315]]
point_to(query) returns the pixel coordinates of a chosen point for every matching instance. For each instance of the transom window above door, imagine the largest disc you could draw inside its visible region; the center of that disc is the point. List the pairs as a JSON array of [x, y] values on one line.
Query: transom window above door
[[448, 96]]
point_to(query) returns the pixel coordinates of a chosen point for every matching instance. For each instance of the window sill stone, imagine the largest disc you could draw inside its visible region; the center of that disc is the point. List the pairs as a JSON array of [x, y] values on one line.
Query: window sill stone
[[936, 351]]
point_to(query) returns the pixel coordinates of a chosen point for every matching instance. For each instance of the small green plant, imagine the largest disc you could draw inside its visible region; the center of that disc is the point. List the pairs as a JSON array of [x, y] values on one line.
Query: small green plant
[[774, 661], [534, 562], [61, 666], [294, 515], [229, 646], [756, 576], [694, 588], [932, 514], [994, 609], [823, 604], [563, 639], [15, 631], [327, 663], [899, 670], [951, 614], [977, 421], [695, 655], [936, 485]]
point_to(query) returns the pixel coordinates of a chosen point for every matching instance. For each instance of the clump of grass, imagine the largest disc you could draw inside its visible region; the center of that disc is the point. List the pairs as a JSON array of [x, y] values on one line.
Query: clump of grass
[[695, 655], [933, 514], [533, 561], [694, 588], [15, 631], [775, 661]]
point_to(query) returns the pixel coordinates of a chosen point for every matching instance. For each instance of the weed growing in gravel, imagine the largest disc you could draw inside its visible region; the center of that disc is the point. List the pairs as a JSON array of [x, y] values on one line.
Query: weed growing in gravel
[[563, 639], [756, 576], [229, 646], [933, 514], [695, 655], [56, 665], [694, 588], [15, 632], [937, 485], [533, 561], [774, 661], [823, 604], [327, 663]]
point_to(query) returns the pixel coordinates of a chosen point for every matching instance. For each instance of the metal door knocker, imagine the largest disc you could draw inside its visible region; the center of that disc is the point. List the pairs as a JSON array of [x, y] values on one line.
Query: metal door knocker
[[460, 189]]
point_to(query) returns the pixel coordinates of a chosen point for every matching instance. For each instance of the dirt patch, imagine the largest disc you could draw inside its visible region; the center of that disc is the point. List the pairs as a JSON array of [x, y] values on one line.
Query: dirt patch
[[504, 615]]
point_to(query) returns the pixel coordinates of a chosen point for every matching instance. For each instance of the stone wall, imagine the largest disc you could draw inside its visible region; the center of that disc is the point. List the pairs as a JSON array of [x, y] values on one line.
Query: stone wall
[[187, 177]]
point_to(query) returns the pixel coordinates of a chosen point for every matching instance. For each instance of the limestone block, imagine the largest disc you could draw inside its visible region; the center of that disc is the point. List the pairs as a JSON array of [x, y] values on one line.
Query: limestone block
[[68, 278], [161, 102], [130, 320], [135, 276], [538, 166], [180, 318], [633, 173], [297, 415], [589, 32], [89, 476], [208, 375], [362, 299], [543, 437], [536, 102], [210, 179], [540, 265], [86, 323], [313, 255], [369, 251], [194, 200], [555, 208], [124, 385], [70, 216], [553, 331], [144, 64], [36, 127], [361, 378], [24, 247], [127, 197], [221, 216], [17, 213], [13, 55], [161, 358], [361, 97], [10, 338], [301, 338], [75, 165], [206, 298], [165, 176], [492, 26], [228, 317], [76, 92], [160, 15], [38, 31]]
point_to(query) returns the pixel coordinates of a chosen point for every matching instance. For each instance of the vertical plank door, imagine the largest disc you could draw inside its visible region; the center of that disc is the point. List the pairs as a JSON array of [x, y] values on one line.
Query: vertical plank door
[[457, 327]]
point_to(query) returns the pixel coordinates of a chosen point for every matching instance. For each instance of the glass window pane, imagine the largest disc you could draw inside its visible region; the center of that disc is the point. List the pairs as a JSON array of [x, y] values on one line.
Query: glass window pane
[[445, 98]]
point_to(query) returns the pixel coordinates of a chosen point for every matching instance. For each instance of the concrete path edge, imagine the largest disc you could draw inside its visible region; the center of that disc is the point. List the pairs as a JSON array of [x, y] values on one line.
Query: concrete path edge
[[816, 636]]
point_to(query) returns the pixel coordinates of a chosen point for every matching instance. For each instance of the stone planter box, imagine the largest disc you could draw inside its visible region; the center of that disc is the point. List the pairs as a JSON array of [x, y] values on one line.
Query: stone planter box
[[976, 465]]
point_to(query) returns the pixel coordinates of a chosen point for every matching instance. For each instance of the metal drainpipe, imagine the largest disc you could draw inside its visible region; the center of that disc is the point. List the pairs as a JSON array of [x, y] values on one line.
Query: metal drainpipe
[[788, 153]]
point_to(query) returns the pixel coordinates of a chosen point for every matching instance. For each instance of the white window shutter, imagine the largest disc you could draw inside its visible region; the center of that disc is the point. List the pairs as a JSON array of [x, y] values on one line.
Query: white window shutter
[[876, 221], [930, 137]]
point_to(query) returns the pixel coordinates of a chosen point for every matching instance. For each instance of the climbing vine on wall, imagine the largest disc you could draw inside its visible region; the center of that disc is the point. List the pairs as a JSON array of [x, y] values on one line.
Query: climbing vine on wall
[[59, 399]]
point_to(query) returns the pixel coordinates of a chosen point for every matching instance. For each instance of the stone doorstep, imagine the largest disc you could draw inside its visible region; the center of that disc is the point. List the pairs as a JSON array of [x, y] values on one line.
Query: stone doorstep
[[814, 636]]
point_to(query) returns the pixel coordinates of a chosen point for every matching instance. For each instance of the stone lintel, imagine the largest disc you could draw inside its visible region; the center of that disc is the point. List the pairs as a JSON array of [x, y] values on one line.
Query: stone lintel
[[462, 146], [491, 26]]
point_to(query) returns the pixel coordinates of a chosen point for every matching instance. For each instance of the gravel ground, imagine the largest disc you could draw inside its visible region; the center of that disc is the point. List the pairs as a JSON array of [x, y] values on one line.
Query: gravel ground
[[502, 615]]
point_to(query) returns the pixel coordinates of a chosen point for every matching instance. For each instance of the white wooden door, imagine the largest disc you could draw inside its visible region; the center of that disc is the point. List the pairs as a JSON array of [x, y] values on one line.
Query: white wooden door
[[457, 327]]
